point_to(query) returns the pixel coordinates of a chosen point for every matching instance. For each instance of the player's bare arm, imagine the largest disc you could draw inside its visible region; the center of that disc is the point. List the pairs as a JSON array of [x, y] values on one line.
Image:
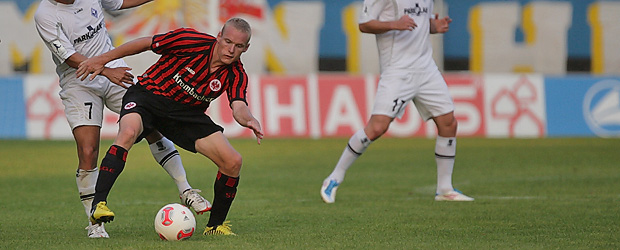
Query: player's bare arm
[[95, 65], [244, 117], [119, 76], [133, 3], [440, 25], [379, 27]]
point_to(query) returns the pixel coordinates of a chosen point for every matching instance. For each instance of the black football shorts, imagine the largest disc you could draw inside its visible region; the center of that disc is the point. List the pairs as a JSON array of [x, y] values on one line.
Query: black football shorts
[[181, 123]]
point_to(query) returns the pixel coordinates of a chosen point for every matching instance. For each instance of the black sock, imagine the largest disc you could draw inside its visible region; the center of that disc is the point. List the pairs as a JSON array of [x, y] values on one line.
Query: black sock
[[225, 190], [111, 167]]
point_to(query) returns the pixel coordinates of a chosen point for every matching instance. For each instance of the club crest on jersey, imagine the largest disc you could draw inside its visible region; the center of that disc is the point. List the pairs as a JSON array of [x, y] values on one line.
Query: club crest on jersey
[[130, 105], [215, 85], [94, 12]]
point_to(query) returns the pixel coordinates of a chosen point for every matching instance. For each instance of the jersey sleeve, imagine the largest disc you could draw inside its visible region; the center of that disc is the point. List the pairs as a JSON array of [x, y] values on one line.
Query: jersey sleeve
[[179, 41], [237, 90], [111, 4], [371, 9], [53, 36]]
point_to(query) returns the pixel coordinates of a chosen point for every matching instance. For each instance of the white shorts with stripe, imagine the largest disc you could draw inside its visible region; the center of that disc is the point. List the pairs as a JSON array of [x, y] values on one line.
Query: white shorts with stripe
[[427, 90]]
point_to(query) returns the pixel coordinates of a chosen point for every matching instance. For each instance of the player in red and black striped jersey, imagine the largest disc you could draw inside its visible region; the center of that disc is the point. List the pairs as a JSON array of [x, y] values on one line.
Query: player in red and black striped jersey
[[172, 96], [183, 73]]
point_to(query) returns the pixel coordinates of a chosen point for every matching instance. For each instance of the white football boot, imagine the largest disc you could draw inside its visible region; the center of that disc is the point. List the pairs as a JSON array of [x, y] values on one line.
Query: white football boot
[[328, 190], [191, 198], [453, 195], [97, 231]]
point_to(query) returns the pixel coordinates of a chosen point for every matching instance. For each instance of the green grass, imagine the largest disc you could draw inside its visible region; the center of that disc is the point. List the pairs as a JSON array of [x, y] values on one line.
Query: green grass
[[530, 194]]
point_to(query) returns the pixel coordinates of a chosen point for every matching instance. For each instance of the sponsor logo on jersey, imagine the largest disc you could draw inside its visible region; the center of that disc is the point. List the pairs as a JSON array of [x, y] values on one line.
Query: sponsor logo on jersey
[[417, 10], [78, 11], [189, 89], [215, 85], [90, 34], [190, 70], [130, 105], [601, 108]]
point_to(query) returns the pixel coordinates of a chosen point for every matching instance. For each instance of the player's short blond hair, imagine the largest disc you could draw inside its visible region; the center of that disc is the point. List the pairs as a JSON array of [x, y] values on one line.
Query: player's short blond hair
[[239, 24]]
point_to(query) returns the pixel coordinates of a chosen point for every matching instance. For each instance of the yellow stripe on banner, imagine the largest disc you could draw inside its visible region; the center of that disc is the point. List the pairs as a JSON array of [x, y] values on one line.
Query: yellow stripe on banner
[[529, 33], [279, 13], [476, 42], [596, 46], [273, 64], [271, 59], [36, 61], [353, 38], [522, 69], [17, 60], [529, 28]]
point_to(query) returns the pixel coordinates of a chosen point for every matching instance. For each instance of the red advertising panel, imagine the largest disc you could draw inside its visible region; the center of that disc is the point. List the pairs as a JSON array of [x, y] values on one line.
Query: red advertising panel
[[468, 94], [344, 105], [284, 106]]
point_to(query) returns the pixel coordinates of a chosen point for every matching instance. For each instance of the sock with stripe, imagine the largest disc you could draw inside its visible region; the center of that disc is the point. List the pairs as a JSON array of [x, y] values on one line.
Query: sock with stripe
[[168, 157], [111, 167], [86, 180], [225, 189], [358, 143], [445, 152]]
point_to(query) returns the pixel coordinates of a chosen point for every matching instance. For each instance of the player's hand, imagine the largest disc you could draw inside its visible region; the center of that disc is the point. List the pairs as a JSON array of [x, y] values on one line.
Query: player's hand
[[120, 76], [405, 23], [93, 66], [442, 25], [254, 125]]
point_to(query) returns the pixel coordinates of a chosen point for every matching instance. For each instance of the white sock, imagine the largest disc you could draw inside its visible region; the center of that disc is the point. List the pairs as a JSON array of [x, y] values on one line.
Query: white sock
[[445, 152], [168, 157], [356, 146], [86, 181]]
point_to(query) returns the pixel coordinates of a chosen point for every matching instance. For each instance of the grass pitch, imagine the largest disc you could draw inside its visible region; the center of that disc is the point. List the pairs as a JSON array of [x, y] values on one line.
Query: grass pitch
[[530, 194]]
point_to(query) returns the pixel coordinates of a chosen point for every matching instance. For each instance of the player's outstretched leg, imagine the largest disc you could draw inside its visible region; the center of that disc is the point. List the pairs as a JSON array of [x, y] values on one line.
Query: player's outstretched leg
[[358, 143], [111, 167], [168, 157]]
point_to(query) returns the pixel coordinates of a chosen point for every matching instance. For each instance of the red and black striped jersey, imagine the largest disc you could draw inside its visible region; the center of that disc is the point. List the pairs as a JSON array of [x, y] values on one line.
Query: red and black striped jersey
[[182, 71]]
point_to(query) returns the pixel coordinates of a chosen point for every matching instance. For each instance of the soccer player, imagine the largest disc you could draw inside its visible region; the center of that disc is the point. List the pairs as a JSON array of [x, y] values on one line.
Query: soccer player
[[171, 96], [74, 30], [408, 73]]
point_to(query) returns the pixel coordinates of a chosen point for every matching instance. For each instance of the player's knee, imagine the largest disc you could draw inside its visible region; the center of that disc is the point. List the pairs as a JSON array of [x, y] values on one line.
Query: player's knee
[[233, 164], [447, 127], [88, 154], [126, 137], [376, 130]]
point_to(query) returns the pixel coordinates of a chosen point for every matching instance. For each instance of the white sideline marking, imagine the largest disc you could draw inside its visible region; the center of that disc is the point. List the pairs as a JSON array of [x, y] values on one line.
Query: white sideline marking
[[511, 197]]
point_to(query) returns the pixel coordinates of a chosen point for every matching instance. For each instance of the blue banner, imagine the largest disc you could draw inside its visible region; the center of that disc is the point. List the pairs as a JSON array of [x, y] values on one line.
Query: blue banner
[[12, 108], [583, 106]]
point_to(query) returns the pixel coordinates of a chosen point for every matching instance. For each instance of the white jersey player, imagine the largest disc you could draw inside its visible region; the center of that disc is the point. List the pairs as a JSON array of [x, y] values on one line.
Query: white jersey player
[[75, 30], [408, 74]]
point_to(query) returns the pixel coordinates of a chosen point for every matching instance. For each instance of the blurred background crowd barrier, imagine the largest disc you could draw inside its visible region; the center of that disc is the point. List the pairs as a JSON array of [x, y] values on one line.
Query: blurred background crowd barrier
[[515, 68]]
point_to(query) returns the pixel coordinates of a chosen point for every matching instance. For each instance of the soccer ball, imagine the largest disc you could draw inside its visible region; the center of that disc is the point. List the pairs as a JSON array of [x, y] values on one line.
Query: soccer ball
[[175, 222]]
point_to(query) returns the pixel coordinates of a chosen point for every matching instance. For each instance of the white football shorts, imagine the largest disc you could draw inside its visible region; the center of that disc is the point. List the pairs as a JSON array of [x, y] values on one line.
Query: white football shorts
[[427, 90], [84, 100]]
